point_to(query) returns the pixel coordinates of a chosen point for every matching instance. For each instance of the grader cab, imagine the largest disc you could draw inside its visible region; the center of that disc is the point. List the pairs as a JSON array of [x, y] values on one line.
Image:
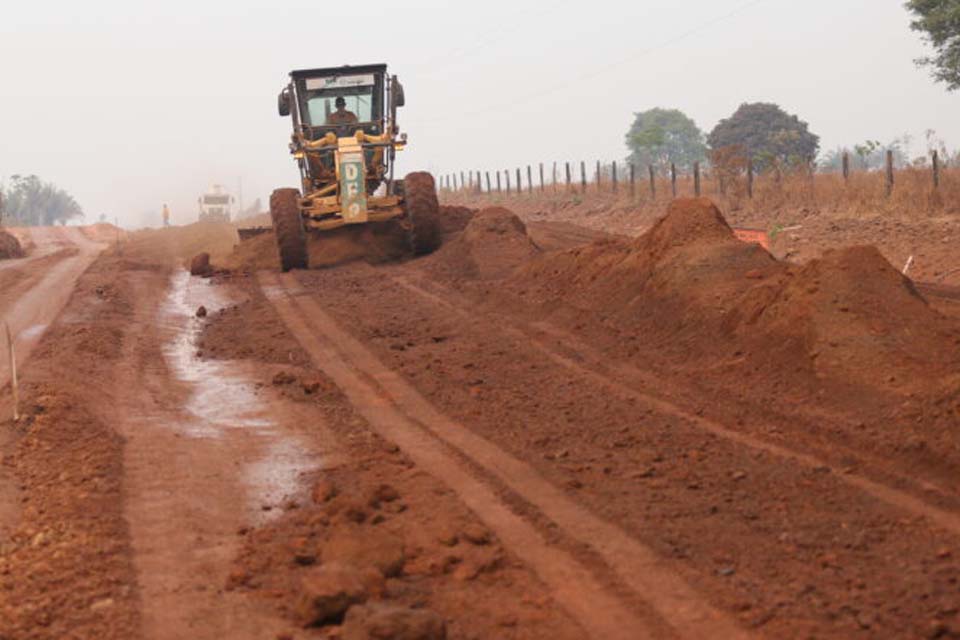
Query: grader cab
[[345, 140]]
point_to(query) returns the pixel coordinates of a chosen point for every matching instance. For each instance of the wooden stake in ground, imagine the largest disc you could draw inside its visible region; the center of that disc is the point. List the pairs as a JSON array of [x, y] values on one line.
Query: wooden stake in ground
[[936, 170], [14, 383], [889, 172]]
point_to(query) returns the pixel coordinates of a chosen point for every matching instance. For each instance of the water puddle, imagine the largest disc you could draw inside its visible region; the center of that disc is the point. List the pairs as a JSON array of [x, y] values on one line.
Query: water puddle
[[33, 332], [223, 403]]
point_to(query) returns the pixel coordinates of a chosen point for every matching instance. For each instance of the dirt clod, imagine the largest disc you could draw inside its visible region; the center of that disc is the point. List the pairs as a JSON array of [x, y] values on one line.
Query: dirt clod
[[375, 548], [200, 265], [283, 378], [328, 591], [476, 535], [9, 246], [380, 621], [323, 491]]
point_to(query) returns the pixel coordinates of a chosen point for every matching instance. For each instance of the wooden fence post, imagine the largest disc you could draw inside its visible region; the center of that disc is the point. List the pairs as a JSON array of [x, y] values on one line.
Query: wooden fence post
[[673, 179], [489, 190], [633, 180], [569, 178], [750, 179], [542, 186], [614, 176], [14, 383], [696, 179], [519, 183], [506, 174], [936, 170], [553, 180], [529, 179], [463, 182], [583, 175], [499, 190], [846, 166], [653, 181], [598, 176], [889, 172]]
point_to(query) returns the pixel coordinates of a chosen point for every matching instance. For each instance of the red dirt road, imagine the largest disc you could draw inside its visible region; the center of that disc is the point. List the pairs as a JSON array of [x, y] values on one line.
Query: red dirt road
[[522, 436]]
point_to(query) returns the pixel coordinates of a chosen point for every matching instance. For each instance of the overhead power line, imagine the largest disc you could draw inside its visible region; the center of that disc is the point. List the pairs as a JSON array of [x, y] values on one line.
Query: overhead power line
[[593, 73], [520, 21]]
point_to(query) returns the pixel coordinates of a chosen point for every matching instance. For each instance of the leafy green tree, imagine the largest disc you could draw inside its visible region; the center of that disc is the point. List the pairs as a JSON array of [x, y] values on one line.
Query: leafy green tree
[[939, 21], [661, 136], [767, 134], [31, 202]]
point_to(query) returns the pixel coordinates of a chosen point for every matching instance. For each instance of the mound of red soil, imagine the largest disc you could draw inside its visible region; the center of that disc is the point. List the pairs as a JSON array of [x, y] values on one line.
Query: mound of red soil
[[691, 289], [180, 244], [689, 257], [103, 232], [9, 246], [454, 219], [853, 315], [493, 244]]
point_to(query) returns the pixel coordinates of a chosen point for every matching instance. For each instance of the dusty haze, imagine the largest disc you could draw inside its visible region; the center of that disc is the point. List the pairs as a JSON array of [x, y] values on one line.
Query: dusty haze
[[130, 106]]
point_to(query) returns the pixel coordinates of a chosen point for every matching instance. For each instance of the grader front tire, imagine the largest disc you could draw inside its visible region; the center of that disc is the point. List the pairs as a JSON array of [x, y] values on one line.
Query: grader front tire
[[288, 228], [423, 213]]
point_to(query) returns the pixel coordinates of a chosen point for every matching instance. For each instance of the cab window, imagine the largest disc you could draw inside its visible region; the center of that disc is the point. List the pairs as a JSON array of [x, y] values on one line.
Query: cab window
[[322, 94]]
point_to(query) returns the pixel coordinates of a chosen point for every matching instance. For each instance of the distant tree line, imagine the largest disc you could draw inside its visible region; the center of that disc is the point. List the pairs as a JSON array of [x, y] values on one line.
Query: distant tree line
[[29, 201], [761, 134], [764, 136]]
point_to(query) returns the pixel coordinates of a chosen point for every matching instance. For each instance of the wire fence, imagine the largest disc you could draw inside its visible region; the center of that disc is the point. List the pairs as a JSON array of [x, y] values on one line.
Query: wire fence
[[931, 187]]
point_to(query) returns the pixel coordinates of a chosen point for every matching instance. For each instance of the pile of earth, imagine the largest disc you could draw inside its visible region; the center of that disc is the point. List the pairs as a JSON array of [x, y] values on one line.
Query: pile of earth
[[493, 244], [674, 283], [853, 315], [180, 244], [689, 287], [103, 232], [9, 246]]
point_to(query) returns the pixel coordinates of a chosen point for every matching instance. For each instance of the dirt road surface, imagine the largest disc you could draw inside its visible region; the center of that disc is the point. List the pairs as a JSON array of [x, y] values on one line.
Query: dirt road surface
[[528, 434]]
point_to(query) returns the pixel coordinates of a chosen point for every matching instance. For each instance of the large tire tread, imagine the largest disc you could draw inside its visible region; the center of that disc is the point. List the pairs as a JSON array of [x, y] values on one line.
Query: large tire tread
[[288, 229], [423, 212]]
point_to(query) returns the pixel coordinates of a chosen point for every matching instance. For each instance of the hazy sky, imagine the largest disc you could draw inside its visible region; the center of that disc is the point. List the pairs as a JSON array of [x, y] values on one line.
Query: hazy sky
[[129, 105]]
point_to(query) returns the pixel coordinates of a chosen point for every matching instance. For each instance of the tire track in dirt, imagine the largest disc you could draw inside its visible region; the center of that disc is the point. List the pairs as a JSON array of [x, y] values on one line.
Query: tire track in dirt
[[588, 364], [36, 307], [395, 409], [29, 306], [203, 459]]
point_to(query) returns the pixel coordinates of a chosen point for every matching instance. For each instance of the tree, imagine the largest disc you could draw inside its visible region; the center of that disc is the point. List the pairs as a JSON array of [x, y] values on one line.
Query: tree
[[30, 201], [767, 135], [939, 21], [661, 136]]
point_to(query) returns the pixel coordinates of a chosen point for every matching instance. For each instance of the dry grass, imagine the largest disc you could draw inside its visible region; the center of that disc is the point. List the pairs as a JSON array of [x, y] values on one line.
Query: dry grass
[[864, 194]]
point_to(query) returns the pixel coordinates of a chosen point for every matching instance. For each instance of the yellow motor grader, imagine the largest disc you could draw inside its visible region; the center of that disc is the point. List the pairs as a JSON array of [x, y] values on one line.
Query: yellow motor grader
[[345, 140]]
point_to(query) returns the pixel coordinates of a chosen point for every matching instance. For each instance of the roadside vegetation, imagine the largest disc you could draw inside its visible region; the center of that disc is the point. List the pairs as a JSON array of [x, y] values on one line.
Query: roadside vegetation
[[29, 201]]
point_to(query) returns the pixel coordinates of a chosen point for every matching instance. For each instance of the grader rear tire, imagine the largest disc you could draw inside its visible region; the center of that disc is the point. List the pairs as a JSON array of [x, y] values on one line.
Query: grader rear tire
[[288, 228], [423, 213]]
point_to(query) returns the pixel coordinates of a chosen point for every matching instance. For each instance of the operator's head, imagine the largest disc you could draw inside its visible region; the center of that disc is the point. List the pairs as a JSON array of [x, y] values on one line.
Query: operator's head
[[341, 103]]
